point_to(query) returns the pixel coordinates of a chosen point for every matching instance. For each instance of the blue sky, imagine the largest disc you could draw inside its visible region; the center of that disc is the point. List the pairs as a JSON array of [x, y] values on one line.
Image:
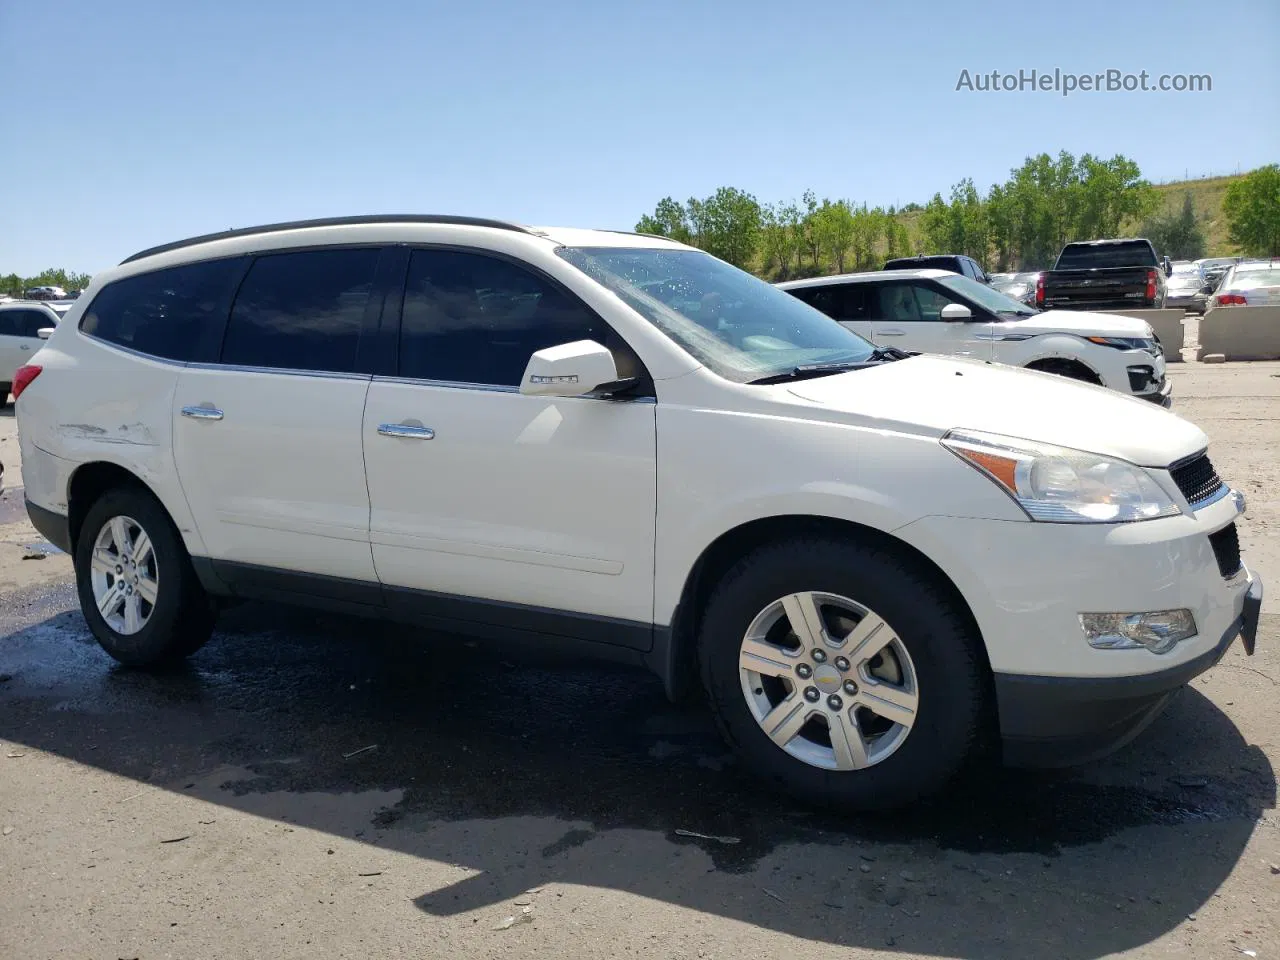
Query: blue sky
[[134, 123]]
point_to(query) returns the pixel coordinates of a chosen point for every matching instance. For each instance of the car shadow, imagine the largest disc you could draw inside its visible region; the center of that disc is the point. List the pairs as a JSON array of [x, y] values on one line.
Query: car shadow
[[531, 771]]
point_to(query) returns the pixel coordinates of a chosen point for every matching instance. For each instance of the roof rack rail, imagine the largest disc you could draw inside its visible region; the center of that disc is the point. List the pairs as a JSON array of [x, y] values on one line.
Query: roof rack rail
[[326, 222]]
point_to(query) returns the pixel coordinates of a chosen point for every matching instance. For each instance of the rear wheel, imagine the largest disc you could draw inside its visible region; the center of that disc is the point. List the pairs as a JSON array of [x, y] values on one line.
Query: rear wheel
[[842, 674], [137, 588]]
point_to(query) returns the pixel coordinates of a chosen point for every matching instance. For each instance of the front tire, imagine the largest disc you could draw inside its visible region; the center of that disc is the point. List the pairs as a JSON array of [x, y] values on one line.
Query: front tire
[[137, 588], [842, 674]]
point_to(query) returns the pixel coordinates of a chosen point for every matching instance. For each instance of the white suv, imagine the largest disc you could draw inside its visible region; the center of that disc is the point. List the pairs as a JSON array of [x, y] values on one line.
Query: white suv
[[20, 340], [619, 443], [935, 311]]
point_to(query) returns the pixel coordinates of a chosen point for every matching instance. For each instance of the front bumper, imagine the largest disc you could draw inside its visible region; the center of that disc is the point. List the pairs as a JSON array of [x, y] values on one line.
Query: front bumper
[[1163, 396], [1062, 721]]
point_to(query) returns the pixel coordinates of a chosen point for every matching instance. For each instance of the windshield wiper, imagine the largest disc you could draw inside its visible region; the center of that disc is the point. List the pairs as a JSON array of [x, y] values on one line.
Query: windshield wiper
[[807, 371]]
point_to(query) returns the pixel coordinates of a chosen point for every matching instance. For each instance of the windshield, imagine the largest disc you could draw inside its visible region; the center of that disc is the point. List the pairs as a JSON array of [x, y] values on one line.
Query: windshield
[[1083, 256], [985, 297], [735, 324], [1248, 276]]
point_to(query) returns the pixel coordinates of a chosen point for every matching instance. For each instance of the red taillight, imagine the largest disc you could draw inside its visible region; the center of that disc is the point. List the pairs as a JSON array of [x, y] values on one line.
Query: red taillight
[[1151, 285], [1232, 300], [1039, 289], [22, 378]]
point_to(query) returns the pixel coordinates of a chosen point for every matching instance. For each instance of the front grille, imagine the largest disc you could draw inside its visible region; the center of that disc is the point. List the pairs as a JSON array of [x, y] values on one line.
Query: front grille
[[1226, 550], [1196, 478]]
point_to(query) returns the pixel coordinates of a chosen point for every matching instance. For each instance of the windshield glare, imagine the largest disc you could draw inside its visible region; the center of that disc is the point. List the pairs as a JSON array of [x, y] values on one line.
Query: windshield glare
[[735, 324], [987, 298]]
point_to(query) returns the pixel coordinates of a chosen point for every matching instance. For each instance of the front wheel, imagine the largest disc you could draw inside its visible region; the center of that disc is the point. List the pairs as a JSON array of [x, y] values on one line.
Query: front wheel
[[842, 673], [138, 590]]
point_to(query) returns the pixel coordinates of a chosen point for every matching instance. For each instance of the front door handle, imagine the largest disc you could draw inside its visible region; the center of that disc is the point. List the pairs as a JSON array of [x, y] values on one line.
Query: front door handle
[[202, 413], [892, 332], [408, 431]]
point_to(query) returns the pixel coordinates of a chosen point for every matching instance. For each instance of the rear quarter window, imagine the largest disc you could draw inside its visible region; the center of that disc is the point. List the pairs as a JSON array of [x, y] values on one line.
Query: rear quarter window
[[168, 313]]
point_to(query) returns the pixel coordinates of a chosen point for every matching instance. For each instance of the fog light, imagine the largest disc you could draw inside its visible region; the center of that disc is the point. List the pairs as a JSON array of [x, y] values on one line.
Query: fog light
[[1158, 632]]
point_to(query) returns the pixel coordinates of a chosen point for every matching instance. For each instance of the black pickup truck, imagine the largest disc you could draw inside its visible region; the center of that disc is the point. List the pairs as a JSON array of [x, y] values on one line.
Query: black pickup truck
[[1105, 275]]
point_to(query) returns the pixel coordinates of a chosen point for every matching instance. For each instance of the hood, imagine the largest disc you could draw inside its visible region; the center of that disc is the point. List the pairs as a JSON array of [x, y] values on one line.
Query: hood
[[1085, 324], [930, 395]]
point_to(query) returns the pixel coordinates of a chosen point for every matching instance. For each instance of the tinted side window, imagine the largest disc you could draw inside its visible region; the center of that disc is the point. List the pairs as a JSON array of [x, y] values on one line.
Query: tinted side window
[[32, 322], [301, 311], [165, 313], [931, 302], [841, 302], [894, 303], [10, 323], [470, 318]]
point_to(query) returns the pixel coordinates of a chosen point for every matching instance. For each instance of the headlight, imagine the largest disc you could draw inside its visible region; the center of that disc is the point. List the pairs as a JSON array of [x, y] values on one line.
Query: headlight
[[1060, 485], [1126, 343]]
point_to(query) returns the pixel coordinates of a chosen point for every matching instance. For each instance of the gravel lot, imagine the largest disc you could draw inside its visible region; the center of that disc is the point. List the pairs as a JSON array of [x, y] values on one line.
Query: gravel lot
[[230, 809]]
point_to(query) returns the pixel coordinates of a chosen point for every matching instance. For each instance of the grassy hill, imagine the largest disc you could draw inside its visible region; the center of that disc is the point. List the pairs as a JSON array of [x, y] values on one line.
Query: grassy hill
[[1206, 196]]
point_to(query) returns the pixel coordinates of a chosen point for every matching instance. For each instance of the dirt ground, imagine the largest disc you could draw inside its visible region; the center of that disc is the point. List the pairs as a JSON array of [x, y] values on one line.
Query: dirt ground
[[309, 786]]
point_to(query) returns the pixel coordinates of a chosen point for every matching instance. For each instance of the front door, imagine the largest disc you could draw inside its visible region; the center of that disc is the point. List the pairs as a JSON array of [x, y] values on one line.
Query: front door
[[490, 506], [267, 440], [907, 314]]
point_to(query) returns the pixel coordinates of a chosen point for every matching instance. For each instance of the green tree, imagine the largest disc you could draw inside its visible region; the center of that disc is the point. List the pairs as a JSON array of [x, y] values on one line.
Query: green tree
[[1252, 209], [835, 227], [726, 225], [1177, 235], [669, 219], [868, 226], [896, 239]]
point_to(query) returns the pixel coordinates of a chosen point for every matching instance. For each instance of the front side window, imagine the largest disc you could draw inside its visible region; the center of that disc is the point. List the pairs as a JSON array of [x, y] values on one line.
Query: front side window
[[301, 311], [990, 299], [477, 319], [165, 313], [738, 326]]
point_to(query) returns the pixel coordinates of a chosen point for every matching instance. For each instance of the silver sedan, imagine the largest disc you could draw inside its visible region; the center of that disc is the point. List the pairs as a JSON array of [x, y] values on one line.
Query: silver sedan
[[1251, 283]]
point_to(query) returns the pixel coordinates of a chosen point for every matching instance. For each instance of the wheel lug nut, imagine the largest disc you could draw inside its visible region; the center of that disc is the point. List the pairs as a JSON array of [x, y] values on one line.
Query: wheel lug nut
[[819, 656], [842, 664], [119, 569], [850, 687], [834, 702], [811, 694], [804, 671]]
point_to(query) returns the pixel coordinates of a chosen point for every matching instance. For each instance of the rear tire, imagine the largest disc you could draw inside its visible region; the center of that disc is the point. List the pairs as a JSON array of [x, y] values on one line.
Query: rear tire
[[873, 736], [137, 587]]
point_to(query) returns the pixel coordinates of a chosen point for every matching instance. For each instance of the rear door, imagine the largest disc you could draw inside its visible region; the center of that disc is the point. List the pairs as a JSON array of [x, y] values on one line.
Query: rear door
[[267, 436], [907, 314], [845, 302], [19, 339]]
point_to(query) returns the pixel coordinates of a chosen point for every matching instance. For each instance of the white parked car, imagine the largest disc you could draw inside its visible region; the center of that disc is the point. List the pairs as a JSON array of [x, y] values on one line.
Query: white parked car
[[621, 444], [20, 326], [935, 311]]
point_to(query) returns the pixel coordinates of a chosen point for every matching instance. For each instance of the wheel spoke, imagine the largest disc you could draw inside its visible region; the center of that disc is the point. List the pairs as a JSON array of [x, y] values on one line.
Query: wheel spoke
[[847, 743], [892, 703], [120, 535], [142, 549], [868, 638], [784, 721], [805, 619], [103, 562], [148, 589], [764, 658], [132, 613], [110, 600]]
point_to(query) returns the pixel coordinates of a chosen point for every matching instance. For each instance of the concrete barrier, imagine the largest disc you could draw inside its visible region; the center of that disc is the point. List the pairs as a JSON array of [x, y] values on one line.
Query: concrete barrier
[[1168, 326], [1241, 333]]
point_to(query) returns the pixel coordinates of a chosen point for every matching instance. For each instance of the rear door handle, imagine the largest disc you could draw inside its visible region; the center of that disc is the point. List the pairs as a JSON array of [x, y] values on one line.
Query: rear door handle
[[407, 431], [892, 332], [202, 413]]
